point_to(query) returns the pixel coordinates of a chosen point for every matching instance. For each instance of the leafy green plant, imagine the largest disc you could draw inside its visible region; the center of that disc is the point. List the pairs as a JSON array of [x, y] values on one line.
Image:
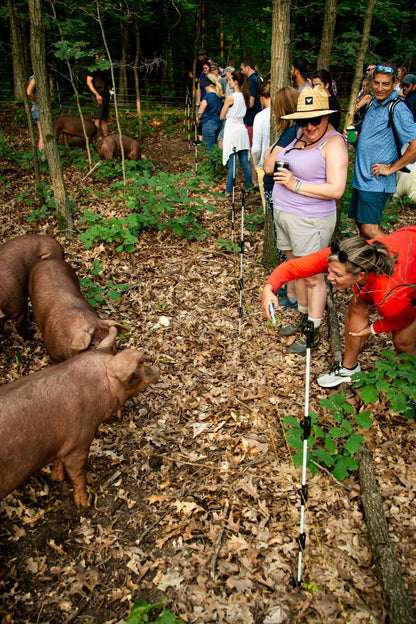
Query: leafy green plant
[[335, 447], [226, 245], [96, 294], [255, 220], [394, 377], [141, 612]]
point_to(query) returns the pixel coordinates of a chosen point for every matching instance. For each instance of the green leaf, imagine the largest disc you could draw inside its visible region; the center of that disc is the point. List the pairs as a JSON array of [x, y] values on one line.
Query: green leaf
[[323, 457], [354, 443], [331, 446], [167, 617], [340, 470], [364, 420], [369, 394]]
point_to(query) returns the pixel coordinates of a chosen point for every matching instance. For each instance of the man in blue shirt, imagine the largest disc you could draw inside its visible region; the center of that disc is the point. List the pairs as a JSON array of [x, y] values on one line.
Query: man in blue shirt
[[377, 160]]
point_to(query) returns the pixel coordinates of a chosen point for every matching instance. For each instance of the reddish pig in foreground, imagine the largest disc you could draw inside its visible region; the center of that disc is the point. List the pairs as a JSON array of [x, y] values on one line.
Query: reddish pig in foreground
[[67, 321], [109, 147], [18, 256], [70, 125], [54, 414]]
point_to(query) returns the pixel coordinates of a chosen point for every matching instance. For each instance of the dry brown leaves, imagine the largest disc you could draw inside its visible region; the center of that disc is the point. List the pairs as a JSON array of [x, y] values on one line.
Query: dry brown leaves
[[193, 494]]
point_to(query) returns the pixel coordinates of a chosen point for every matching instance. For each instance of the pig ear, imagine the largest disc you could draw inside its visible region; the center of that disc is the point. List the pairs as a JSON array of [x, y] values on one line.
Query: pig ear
[[81, 341], [109, 340], [124, 364], [44, 255]]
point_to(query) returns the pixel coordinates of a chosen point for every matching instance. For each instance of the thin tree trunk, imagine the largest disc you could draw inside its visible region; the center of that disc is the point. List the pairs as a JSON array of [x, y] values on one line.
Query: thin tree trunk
[[328, 29], [360, 61], [136, 81], [38, 54], [20, 50], [279, 79], [21, 78], [122, 84]]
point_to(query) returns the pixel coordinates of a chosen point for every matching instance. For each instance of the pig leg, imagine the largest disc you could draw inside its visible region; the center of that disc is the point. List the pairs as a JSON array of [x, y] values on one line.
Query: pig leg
[[58, 470], [74, 465]]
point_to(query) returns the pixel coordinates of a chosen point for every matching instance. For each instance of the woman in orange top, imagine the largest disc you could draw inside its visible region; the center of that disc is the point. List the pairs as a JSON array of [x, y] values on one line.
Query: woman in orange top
[[382, 274]]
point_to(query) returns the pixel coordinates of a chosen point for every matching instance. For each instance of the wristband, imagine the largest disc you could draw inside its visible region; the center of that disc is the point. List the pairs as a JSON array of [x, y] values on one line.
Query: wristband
[[297, 186]]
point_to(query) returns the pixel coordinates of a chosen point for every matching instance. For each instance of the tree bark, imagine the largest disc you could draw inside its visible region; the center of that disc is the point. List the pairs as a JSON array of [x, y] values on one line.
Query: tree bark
[[21, 77], [122, 83], [360, 62], [279, 78], [327, 39], [136, 81], [387, 566], [38, 55], [20, 50]]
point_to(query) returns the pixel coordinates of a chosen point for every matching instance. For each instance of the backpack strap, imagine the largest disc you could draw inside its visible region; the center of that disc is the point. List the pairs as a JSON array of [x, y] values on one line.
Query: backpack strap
[[390, 124]]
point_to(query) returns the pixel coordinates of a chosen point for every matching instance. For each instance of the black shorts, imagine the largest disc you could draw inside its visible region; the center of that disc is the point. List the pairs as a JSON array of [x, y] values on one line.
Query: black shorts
[[101, 111]]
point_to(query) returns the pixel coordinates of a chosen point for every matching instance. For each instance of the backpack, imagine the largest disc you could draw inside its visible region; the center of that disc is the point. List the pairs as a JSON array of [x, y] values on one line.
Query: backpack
[[390, 124]]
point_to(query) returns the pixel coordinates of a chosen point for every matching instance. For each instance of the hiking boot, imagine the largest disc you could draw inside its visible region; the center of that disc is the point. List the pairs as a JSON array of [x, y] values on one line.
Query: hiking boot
[[337, 375], [297, 326], [281, 292], [299, 346], [285, 302]]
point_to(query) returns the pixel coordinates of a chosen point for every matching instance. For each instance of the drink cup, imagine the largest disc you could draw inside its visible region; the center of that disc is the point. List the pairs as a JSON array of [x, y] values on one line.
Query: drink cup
[[351, 136]]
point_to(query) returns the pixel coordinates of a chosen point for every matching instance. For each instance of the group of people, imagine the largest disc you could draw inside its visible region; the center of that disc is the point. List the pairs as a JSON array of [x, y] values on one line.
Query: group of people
[[309, 174]]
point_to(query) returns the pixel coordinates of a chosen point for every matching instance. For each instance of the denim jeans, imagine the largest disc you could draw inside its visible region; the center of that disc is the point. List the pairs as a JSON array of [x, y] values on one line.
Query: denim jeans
[[232, 167], [210, 132]]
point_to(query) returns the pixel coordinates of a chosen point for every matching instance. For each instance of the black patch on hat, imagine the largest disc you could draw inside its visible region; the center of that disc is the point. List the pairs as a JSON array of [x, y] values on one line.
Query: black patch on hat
[[309, 100]]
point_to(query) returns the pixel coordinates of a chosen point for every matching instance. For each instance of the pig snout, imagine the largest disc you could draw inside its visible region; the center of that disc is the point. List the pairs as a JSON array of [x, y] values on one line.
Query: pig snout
[[57, 412]]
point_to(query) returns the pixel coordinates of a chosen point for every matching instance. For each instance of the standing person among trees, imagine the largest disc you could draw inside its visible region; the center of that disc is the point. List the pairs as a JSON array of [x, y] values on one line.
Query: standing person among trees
[[236, 141], [261, 136], [98, 83], [409, 91], [31, 93], [382, 274], [304, 204], [300, 73], [323, 77], [377, 159], [248, 68], [209, 111]]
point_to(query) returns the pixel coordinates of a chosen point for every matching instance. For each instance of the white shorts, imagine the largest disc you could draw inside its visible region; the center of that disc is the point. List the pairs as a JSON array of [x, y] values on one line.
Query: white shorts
[[303, 235]]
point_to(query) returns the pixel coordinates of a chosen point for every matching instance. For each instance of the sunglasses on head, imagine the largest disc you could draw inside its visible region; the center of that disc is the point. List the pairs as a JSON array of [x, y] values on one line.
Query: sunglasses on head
[[383, 69], [342, 255], [314, 121]]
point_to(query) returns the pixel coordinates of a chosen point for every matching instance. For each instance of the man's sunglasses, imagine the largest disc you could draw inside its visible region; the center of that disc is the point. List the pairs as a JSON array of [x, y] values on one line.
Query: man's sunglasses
[[405, 85], [314, 121], [342, 255], [383, 69]]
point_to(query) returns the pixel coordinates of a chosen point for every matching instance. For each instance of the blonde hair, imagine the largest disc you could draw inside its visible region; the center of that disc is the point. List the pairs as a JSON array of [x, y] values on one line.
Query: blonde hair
[[216, 84], [284, 102], [365, 256]]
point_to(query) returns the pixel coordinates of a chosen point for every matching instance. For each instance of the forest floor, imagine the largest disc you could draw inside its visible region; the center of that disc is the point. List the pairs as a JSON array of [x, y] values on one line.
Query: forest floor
[[194, 493]]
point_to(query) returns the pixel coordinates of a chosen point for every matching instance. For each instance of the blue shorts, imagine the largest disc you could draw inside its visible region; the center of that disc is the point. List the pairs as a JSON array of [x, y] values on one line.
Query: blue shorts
[[367, 206], [35, 115]]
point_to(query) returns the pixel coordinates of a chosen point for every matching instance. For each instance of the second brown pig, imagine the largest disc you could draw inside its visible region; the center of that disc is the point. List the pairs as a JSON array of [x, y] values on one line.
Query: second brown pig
[[69, 324]]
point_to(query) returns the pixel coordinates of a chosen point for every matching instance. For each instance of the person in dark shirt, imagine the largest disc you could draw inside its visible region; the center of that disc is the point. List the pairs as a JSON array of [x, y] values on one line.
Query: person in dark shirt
[[409, 92], [98, 84], [248, 68]]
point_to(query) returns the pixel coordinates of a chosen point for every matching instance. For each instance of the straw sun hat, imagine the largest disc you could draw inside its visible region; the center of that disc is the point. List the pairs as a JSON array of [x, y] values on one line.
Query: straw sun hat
[[311, 103]]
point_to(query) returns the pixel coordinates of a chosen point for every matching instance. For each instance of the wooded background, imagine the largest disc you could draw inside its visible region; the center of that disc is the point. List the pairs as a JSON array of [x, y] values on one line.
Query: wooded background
[[162, 37]]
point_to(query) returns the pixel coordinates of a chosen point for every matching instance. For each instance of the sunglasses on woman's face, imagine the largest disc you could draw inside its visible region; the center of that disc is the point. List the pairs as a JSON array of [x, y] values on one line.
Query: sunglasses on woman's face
[[314, 121]]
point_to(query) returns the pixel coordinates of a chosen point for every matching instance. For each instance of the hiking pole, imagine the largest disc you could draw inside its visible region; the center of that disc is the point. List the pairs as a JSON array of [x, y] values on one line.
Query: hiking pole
[[306, 426], [233, 193], [240, 281]]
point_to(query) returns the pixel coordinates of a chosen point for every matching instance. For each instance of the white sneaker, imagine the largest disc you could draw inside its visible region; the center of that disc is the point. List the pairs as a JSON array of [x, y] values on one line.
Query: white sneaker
[[337, 375]]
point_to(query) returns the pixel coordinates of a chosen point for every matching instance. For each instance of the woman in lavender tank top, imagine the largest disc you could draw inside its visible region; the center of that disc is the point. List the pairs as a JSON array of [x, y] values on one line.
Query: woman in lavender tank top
[[304, 200]]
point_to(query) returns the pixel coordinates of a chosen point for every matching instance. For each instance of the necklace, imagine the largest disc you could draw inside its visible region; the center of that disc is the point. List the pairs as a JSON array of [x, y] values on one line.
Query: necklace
[[306, 144]]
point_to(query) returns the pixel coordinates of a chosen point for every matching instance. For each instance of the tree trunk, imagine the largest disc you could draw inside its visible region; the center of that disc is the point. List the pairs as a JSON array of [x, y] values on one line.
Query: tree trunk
[[122, 83], [136, 81], [279, 78], [327, 34], [387, 566], [21, 77], [20, 50], [38, 55], [360, 62]]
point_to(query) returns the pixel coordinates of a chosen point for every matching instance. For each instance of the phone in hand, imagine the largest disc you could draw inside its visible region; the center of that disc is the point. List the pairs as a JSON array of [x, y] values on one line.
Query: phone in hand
[[271, 310]]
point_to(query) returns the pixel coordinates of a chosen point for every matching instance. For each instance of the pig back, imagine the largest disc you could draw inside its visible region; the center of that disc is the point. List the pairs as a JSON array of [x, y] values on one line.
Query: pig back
[[18, 257]]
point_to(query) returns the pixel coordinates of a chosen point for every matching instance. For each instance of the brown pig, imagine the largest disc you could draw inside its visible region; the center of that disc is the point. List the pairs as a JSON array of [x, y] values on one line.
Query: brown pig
[[109, 147], [69, 324], [52, 415], [18, 256], [70, 125]]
